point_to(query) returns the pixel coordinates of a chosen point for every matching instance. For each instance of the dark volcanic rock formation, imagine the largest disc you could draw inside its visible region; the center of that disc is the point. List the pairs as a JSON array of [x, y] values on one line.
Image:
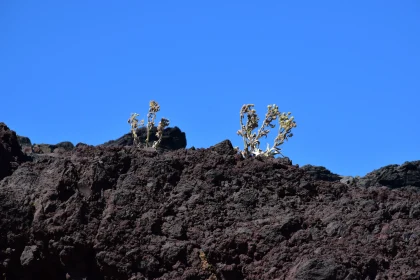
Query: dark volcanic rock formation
[[48, 148], [173, 138], [10, 151], [394, 176], [112, 212], [320, 173]]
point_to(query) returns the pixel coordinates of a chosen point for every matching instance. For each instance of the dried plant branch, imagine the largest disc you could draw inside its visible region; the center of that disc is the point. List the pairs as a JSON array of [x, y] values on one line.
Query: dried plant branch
[[159, 134], [251, 140], [134, 123], [151, 117]]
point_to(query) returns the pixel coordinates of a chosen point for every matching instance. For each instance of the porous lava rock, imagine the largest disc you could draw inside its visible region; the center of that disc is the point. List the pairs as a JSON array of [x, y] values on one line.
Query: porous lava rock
[[10, 151], [172, 139], [320, 173], [393, 176], [119, 212], [49, 148]]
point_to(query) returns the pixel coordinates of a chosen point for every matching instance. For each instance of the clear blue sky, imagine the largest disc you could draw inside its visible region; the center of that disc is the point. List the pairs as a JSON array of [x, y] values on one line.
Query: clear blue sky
[[349, 71]]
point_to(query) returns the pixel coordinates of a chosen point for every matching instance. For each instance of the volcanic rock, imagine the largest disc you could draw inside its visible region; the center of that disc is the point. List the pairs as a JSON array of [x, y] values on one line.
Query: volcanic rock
[[120, 212]]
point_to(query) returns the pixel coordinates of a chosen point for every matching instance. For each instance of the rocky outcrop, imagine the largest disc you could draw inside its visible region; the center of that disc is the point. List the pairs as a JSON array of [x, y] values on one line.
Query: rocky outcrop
[[24, 141], [406, 175], [28, 148], [25, 144], [119, 212], [48, 148], [393, 176], [173, 138], [10, 151], [320, 173]]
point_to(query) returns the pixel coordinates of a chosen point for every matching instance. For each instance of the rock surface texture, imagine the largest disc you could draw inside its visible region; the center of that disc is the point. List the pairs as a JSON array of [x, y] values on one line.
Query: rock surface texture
[[11, 154], [173, 138], [119, 212]]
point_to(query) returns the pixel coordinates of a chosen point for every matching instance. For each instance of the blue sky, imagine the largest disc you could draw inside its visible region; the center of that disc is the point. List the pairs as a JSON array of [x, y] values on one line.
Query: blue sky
[[349, 71]]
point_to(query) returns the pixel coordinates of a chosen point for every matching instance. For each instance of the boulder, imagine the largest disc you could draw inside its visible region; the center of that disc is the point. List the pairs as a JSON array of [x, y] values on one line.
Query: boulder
[[173, 138]]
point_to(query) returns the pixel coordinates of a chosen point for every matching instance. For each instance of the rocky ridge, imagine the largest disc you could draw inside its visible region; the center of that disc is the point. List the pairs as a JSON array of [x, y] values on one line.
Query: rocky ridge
[[117, 212]]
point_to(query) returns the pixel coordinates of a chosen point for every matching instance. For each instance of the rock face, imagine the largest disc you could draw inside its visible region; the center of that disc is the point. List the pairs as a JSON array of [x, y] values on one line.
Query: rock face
[[10, 151], [119, 212]]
